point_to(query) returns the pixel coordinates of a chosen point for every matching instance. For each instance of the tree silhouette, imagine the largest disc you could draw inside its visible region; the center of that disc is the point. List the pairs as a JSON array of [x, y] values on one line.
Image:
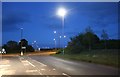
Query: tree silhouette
[[87, 40], [23, 43], [104, 36], [11, 46]]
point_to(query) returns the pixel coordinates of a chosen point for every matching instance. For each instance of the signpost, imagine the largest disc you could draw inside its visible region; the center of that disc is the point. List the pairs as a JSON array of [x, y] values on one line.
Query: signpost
[[23, 48]]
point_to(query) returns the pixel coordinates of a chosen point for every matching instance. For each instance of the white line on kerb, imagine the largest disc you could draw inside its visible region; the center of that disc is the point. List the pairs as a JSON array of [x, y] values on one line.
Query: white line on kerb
[[66, 74]]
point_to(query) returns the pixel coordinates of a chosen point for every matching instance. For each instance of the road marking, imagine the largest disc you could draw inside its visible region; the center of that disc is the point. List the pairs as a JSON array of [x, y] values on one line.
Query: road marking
[[54, 69], [26, 62], [31, 64], [66, 74], [4, 66], [37, 61], [43, 69], [40, 72]]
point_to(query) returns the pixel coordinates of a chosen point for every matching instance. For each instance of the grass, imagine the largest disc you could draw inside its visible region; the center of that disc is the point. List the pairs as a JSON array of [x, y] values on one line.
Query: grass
[[105, 57]]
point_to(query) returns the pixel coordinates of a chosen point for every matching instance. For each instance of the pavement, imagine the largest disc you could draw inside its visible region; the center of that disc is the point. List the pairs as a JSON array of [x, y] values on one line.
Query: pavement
[[48, 65]]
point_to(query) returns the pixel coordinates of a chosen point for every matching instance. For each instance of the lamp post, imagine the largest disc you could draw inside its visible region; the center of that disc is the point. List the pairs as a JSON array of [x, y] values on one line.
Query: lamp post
[[36, 46], [62, 12], [21, 40], [55, 38], [55, 43], [59, 41]]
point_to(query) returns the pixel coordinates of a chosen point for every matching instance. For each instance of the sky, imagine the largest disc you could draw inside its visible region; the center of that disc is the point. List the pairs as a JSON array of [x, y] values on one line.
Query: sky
[[39, 21]]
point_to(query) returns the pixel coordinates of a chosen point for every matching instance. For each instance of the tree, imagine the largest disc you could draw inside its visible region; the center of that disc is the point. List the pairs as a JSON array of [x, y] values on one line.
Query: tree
[[29, 48], [23, 43], [89, 29], [90, 38], [11, 46], [104, 36], [83, 41]]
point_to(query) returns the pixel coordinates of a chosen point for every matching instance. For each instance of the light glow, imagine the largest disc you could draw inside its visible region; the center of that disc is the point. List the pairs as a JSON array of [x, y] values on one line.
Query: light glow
[[61, 12]]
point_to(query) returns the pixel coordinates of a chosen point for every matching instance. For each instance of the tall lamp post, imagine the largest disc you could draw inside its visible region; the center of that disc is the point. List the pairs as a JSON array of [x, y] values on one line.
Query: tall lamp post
[[55, 43], [21, 40], [55, 38], [62, 12]]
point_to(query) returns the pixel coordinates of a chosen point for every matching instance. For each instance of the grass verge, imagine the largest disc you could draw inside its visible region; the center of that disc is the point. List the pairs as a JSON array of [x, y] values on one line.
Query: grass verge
[[105, 57]]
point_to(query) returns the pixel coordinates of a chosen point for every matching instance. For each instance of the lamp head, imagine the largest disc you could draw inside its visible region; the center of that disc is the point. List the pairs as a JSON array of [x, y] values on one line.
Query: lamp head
[[61, 12]]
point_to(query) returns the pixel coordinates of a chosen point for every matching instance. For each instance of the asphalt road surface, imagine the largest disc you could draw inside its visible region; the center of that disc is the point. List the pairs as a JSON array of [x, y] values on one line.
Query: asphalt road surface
[[48, 65], [76, 68]]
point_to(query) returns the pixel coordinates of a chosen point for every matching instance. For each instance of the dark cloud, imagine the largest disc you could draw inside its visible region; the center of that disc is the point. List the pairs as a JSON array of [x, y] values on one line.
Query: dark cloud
[[11, 21]]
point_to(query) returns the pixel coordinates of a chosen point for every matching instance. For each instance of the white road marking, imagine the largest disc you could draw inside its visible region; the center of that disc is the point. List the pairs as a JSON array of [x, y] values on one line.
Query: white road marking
[[26, 62], [43, 69], [38, 62], [54, 69], [40, 72], [66, 74], [4, 66], [31, 64]]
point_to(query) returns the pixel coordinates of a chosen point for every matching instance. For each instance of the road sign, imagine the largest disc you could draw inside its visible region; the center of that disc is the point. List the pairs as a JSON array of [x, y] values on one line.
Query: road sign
[[23, 47]]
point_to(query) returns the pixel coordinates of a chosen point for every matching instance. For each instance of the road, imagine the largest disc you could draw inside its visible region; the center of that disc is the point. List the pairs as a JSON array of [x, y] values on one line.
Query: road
[[48, 65]]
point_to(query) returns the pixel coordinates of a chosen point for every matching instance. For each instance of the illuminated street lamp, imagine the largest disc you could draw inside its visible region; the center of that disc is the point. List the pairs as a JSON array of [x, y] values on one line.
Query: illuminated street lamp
[[54, 31], [59, 40], [55, 43], [21, 39], [64, 36], [62, 12], [60, 37], [55, 39], [35, 44]]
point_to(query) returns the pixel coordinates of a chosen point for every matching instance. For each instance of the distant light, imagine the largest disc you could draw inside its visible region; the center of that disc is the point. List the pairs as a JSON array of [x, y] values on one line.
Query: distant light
[[35, 41], [61, 12], [39, 49], [60, 36], [54, 31], [54, 39], [21, 28], [64, 36]]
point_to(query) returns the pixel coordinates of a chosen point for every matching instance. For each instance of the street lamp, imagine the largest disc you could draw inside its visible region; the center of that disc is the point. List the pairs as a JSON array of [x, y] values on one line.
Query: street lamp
[[21, 32], [64, 36], [54, 31], [55, 39], [35, 44], [55, 43], [62, 12], [21, 40]]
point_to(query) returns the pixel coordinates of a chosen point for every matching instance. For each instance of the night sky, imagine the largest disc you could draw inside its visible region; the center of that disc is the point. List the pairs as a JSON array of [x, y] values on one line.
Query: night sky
[[39, 20]]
